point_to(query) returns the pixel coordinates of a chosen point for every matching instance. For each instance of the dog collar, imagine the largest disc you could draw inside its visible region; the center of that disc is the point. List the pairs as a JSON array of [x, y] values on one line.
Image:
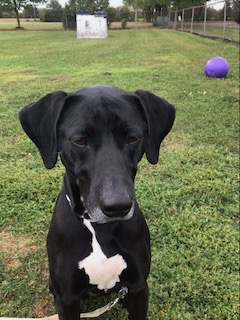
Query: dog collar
[[78, 215], [68, 200]]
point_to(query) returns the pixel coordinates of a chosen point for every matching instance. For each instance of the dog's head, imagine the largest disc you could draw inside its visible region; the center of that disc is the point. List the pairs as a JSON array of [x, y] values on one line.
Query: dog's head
[[101, 133]]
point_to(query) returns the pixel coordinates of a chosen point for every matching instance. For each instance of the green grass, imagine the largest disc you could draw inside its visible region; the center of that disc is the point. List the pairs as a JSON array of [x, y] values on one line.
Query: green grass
[[230, 34], [214, 30], [190, 198]]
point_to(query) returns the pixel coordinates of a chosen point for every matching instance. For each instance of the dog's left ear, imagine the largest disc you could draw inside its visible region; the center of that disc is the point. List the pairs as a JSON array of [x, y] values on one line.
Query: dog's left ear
[[39, 121], [160, 117]]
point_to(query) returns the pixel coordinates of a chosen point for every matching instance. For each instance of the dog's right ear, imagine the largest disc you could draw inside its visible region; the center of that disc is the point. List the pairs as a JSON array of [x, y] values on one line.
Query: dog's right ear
[[160, 116], [39, 121]]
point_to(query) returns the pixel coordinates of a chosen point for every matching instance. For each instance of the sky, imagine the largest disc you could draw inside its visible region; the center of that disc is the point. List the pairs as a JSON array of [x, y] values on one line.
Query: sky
[[115, 3]]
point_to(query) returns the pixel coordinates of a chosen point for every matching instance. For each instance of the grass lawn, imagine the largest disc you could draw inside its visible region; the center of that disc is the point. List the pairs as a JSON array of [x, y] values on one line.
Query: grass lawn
[[230, 34], [190, 198], [214, 29]]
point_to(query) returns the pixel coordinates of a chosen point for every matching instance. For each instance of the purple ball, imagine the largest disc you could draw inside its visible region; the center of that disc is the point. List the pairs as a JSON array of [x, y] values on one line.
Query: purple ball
[[217, 67]]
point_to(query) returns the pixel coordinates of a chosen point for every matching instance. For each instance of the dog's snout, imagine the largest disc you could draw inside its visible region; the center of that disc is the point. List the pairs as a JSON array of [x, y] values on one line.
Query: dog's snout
[[115, 209]]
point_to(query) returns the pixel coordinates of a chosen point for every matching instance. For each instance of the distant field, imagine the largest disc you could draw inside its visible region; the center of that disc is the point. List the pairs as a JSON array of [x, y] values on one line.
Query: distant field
[[28, 24], [190, 198]]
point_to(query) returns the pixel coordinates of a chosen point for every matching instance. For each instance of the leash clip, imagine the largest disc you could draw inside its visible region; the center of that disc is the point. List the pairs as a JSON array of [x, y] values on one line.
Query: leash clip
[[121, 295]]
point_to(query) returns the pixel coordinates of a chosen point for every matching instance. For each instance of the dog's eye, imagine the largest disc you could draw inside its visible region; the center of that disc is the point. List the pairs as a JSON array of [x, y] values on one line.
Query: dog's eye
[[81, 141], [131, 139]]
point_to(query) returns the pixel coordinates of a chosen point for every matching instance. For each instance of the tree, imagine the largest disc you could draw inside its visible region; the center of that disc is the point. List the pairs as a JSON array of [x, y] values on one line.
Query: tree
[[236, 11], [175, 4], [228, 7], [90, 5], [16, 6], [69, 17], [53, 12], [30, 11], [155, 8], [54, 5], [124, 13], [111, 15]]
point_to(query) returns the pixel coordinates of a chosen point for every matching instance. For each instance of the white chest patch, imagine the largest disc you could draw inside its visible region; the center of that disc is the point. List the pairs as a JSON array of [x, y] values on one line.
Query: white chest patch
[[102, 271]]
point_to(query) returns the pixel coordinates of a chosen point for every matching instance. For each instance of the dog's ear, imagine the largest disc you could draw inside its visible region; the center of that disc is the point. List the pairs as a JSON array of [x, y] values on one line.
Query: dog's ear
[[160, 116], [39, 120]]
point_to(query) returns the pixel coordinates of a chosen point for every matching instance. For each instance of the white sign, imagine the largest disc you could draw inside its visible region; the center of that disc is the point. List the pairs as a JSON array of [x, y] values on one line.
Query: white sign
[[91, 26]]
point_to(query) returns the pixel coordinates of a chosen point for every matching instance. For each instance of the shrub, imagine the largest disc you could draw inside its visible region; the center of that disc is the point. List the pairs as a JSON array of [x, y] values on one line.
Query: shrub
[[124, 23]]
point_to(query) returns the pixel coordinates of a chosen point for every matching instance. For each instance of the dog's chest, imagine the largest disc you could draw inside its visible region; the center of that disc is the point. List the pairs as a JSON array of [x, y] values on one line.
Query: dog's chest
[[103, 272]]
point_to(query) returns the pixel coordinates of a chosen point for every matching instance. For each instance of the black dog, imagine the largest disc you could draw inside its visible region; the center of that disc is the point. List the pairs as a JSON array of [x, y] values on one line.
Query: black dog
[[98, 240]]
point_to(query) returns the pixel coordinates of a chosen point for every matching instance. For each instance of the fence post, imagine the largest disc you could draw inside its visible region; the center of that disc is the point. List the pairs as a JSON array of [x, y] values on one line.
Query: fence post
[[205, 18], [135, 15], [66, 22], [224, 18], [182, 19], [175, 20], [192, 20]]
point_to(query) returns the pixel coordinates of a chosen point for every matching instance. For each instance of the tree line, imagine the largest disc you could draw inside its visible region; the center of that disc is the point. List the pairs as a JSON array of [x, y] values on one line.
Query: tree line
[[149, 9]]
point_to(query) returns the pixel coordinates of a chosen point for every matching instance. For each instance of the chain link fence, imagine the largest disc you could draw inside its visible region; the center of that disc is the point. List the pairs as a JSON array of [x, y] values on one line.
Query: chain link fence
[[212, 20]]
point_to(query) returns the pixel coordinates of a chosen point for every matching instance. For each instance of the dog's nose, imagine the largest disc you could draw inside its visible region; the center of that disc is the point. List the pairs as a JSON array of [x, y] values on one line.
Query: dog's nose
[[116, 209]]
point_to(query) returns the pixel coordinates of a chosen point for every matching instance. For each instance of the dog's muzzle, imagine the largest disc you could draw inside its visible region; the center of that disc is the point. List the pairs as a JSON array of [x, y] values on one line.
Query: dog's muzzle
[[105, 214], [97, 215]]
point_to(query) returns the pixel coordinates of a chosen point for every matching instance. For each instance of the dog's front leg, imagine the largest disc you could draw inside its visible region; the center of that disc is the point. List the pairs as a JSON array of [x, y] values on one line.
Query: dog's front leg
[[137, 305], [67, 311]]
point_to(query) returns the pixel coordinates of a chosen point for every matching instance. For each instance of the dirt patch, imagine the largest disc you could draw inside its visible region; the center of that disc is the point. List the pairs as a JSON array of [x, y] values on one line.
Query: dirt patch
[[43, 307], [13, 247]]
